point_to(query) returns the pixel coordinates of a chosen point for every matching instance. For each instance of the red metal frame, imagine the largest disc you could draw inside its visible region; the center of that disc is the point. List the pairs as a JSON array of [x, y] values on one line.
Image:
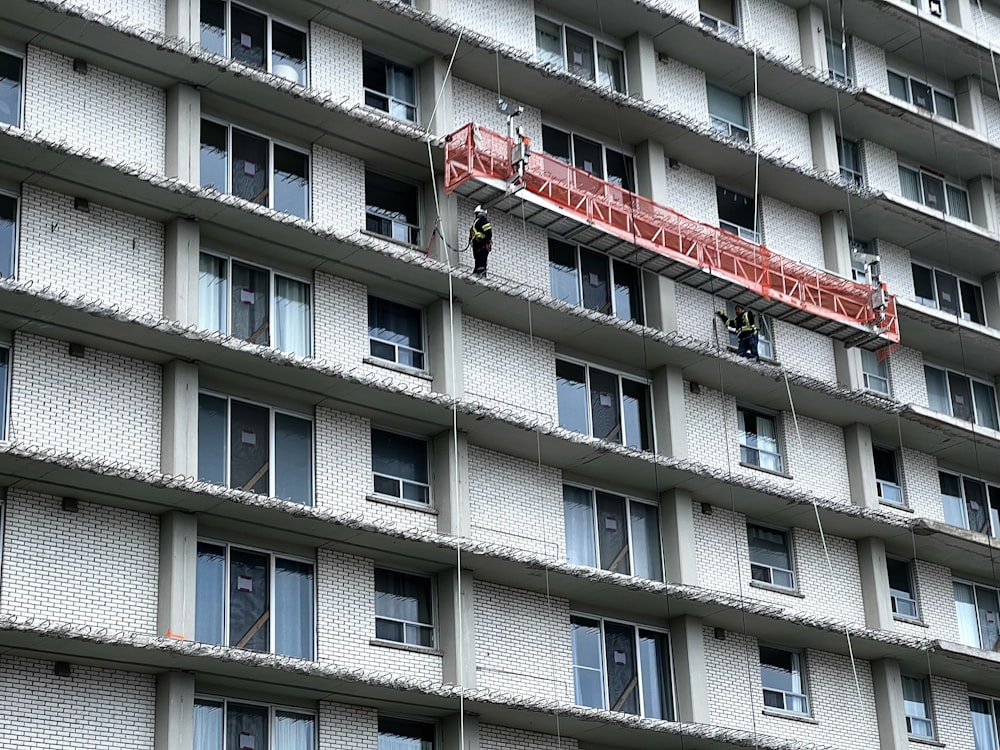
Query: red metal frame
[[475, 152]]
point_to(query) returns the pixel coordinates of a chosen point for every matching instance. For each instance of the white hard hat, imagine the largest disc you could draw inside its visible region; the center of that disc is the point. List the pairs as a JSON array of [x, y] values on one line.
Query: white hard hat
[[480, 210]]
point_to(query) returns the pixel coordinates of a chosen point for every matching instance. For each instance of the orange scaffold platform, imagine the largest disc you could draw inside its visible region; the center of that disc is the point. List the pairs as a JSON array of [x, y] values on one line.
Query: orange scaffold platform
[[574, 205]]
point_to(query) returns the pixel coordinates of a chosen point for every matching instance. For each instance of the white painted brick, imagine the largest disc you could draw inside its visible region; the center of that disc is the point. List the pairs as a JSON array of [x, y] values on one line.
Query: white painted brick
[[772, 25], [520, 250], [511, 22], [950, 710], [881, 167], [335, 63], [692, 193], [472, 103], [781, 131], [936, 604], [896, 268], [492, 737], [906, 376], [682, 89], [869, 66], [791, 231], [150, 14], [343, 727], [921, 483], [986, 22], [338, 194]]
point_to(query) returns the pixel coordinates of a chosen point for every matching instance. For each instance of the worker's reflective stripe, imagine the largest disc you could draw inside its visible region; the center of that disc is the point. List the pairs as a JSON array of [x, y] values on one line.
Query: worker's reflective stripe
[[481, 234]]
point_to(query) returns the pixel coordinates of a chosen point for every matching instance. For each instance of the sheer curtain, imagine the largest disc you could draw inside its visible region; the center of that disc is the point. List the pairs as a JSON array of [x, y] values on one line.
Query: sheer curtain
[[965, 611], [210, 593], [294, 318], [578, 514], [983, 725], [212, 294], [293, 731], [208, 717], [293, 608], [646, 558]]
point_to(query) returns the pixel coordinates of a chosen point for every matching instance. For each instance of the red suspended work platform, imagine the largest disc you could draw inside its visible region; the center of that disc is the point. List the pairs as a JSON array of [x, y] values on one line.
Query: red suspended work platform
[[575, 205]]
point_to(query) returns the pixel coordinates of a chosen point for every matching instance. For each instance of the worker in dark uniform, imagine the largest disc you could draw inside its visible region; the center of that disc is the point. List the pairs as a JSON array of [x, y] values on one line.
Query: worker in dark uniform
[[744, 325], [481, 239]]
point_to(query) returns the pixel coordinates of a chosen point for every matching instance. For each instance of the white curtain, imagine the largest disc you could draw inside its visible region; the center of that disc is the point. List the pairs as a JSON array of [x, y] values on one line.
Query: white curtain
[[207, 725], [293, 731], [983, 725], [212, 294], [646, 559], [578, 513], [293, 317], [965, 610], [396, 742], [293, 607]]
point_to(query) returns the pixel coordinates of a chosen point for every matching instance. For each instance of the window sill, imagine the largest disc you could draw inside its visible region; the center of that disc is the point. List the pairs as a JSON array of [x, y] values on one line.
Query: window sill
[[384, 363], [763, 360], [391, 116], [781, 474], [405, 647], [925, 741], [910, 621], [896, 506], [397, 503], [400, 243], [777, 589], [790, 716]]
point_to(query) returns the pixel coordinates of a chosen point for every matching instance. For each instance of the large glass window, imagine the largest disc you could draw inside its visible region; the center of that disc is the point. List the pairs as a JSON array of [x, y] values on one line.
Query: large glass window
[[934, 192], [390, 87], [887, 482], [254, 168], [254, 38], [770, 556], [395, 733], [254, 304], [838, 61], [727, 113], [782, 680], [875, 372], [11, 88], [404, 608], [570, 49], [612, 532], [970, 503], [621, 667], [720, 16], [985, 714], [589, 155], [737, 214], [254, 600], [392, 208], [849, 157], [902, 592], [604, 404], [8, 235], [758, 435], [917, 706], [400, 466], [977, 609], [396, 332], [255, 448], [593, 280], [922, 95], [936, 288], [4, 390], [221, 724], [962, 397]]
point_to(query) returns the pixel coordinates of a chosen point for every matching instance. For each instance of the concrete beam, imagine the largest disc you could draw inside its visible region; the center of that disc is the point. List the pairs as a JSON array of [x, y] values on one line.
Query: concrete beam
[[179, 426], [184, 134], [444, 344], [181, 259], [435, 88], [451, 480], [687, 639], [677, 535], [888, 684], [640, 68], [812, 37], [836, 240], [177, 575], [184, 20], [457, 615], [174, 721], [875, 584], [861, 465], [651, 171], [823, 139], [848, 365], [659, 301], [669, 414]]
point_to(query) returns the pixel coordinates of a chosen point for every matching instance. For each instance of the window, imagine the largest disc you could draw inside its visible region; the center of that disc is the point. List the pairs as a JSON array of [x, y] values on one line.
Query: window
[[720, 16], [612, 532], [604, 404], [399, 465], [592, 280], [403, 608], [254, 448], [737, 214], [759, 439], [727, 113], [962, 397], [874, 372], [978, 611], [254, 304], [221, 724], [11, 88], [405, 734], [770, 556], [970, 503], [256, 169], [254, 38], [765, 336], [934, 192], [568, 49], [936, 8], [838, 61], [396, 332], [922, 95], [782, 680], [254, 600], [8, 234], [916, 704], [589, 155], [901, 589], [943, 291], [621, 667], [390, 87], [849, 157], [4, 391], [392, 208], [985, 714], [887, 475]]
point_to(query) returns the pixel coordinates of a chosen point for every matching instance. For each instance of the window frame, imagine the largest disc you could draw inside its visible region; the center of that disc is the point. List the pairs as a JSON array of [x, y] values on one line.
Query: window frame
[[897, 600], [882, 484], [765, 333], [415, 230], [726, 126], [629, 500], [8, 386], [22, 84], [269, 53], [910, 80], [271, 143], [422, 314], [789, 551], [432, 608], [976, 587], [749, 234], [779, 442], [976, 420], [991, 519], [430, 467], [844, 45], [273, 710], [638, 628], [597, 42], [272, 294], [16, 239], [612, 284], [272, 557], [920, 173], [272, 411], [402, 718], [935, 303], [869, 379], [849, 175], [798, 673], [391, 99], [994, 722], [628, 157], [645, 382], [928, 704]]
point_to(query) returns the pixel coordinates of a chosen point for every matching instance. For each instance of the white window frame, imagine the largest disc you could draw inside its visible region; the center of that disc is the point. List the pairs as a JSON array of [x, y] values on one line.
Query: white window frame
[[22, 84], [390, 100], [273, 710], [432, 608], [959, 280], [746, 233], [604, 659], [977, 419], [272, 555], [848, 175], [790, 549], [14, 252], [392, 238], [272, 410], [271, 143], [903, 599], [597, 40], [648, 384], [436, 742], [844, 45], [992, 520], [396, 347], [798, 677], [875, 382], [573, 134], [615, 312], [269, 56], [8, 385], [776, 418], [928, 704], [272, 294], [994, 704], [884, 486], [738, 131], [402, 480], [927, 6], [765, 332], [910, 80], [946, 183]]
